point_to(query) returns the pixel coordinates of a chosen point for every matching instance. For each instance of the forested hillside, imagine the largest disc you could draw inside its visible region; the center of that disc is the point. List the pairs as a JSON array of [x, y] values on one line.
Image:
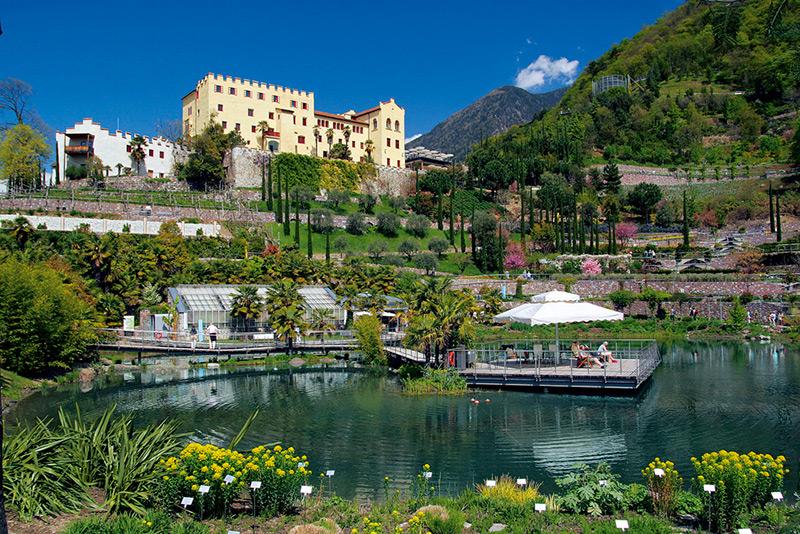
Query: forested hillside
[[711, 83]]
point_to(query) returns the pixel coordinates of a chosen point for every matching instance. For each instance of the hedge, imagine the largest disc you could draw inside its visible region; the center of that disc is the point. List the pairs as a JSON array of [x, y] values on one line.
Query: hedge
[[318, 173]]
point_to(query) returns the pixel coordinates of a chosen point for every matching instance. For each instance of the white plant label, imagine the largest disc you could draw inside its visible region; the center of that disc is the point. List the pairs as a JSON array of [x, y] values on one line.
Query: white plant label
[[603, 482], [187, 501], [658, 472], [330, 472], [540, 507], [745, 531], [709, 488], [306, 490], [301, 464], [256, 484], [522, 482], [204, 489], [622, 524], [491, 483], [229, 478], [427, 474], [777, 495]]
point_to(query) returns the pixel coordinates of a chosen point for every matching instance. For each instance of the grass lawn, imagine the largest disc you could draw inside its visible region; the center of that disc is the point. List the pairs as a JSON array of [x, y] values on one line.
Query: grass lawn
[[15, 385]]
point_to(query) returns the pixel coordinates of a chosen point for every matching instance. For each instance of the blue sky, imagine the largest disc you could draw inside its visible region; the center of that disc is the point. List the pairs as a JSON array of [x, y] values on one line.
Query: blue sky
[[133, 61]]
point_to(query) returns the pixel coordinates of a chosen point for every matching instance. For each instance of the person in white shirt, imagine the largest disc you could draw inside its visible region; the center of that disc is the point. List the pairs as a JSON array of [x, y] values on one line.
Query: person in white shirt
[[212, 336], [604, 354]]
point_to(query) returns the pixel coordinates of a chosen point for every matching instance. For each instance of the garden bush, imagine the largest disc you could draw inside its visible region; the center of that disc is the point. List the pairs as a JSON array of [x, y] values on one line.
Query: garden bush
[[280, 471], [743, 483], [388, 224], [594, 491], [418, 225], [438, 246], [355, 224], [663, 487], [151, 523]]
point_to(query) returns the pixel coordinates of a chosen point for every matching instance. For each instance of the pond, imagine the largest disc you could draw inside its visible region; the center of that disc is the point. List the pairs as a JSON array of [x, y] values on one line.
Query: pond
[[704, 397]]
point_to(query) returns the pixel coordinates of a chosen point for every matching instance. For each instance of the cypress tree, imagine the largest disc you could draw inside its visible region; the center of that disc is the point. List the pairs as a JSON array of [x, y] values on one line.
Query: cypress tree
[[279, 200], [771, 210], [287, 210], [778, 228], [264, 181], [269, 185], [297, 218], [328, 247], [309, 245], [452, 221], [463, 237], [685, 222], [472, 237]]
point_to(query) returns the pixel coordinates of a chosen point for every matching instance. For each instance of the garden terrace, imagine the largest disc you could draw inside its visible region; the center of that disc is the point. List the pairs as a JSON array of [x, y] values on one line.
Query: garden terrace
[[546, 364]]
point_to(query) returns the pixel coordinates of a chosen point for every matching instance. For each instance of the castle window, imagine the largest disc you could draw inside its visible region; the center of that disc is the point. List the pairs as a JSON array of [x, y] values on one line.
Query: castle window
[[261, 96], [301, 139], [250, 112], [374, 124], [224, 124], [217, 88], [231, 90], [275, 98], [397, 125], [388, 142], [397, 143], [388, 124], [161, 154], [247, 93], [294, 103], [305, 105], [219, 107], [304, 121], [238, 126], [271, 115], [150, 152], [253, 128], [189, 111], [388, 162]]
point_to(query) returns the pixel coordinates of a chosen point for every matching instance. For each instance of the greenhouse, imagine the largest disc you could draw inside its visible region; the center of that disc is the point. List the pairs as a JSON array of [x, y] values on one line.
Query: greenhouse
[[201, 305]]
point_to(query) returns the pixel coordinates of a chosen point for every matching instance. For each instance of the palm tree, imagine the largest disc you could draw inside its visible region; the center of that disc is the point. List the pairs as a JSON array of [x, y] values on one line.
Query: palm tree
[[137, 151], [263, 128], [21, 230], [321, 321], [369, 146], [286, 310], [247, 305], [329, 136], [347, 132], [119, 167], [316, 141]]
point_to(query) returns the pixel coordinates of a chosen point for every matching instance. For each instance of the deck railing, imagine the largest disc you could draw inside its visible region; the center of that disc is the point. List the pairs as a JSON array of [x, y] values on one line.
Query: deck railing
[[635, 359], [155, 339]]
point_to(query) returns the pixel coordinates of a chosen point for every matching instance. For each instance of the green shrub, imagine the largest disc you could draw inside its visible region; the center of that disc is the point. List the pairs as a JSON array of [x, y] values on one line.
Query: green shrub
[[418, 225], [45, 326], [368, 334], [151, 523], [743, 483], [436, 381], [590, 491], [663, 489], [388, 224], [355, 224], [438, 246]]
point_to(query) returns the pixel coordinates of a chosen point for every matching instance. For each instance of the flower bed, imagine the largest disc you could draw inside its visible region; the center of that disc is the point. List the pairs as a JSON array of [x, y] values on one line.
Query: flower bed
[[228, 474]]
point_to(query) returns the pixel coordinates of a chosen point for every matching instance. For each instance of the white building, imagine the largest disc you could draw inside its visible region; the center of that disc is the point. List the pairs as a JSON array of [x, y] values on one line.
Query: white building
[[75, 146]]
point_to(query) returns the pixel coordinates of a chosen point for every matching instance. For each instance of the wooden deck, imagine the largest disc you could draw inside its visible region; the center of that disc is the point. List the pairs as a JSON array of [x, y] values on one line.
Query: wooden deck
[[627, 375]]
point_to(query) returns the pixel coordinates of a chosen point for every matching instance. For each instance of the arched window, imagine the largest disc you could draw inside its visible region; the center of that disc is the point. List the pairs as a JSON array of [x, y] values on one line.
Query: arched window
[[388, 124], [397, 126], [374, 124]]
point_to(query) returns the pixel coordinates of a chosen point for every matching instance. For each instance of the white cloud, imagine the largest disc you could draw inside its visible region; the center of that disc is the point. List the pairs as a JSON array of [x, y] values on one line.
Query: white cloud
[[544, 70], [415, 136]]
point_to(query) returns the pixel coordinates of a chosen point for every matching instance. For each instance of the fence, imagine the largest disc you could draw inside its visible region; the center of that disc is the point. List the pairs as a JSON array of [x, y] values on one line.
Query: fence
[[632, 359]]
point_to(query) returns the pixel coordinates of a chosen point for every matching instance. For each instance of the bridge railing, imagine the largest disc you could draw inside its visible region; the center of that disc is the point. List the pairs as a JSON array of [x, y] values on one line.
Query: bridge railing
[[121, 338], [635, 359]]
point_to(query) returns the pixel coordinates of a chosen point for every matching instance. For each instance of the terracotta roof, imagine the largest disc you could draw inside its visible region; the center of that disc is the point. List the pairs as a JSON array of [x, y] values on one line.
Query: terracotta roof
[[370, 110], [339, 117]]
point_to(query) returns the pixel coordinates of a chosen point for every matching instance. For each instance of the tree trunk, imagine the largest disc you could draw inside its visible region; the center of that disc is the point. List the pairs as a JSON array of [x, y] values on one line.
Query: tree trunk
[[771, 210]]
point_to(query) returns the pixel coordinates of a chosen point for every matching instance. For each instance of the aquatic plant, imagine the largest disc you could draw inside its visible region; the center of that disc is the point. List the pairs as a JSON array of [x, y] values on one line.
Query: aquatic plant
[[441, 381]]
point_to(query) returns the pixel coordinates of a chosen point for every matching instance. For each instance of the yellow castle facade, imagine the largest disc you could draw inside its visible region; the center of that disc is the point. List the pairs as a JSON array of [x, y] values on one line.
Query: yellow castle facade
[[280, 119]]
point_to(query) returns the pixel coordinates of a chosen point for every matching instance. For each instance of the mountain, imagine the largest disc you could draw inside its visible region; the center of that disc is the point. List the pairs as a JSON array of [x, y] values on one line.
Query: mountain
[[492, 114], [710, 84]]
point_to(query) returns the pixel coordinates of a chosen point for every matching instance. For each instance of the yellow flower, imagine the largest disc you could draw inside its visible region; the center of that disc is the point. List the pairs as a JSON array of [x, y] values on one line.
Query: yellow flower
[[165, 477]]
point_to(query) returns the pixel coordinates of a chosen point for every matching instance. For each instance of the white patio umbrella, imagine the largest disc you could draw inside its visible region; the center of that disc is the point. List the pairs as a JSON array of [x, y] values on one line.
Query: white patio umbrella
[[555, 307]]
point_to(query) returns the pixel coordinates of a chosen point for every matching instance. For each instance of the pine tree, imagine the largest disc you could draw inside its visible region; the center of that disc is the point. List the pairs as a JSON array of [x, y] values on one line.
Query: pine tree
[[778, 228], [612, 179]]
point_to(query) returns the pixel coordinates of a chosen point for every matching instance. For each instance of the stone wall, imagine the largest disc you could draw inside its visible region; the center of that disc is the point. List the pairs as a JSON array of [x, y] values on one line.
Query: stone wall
[[129, 183], [118, 226], [394, 181], [244, 166]]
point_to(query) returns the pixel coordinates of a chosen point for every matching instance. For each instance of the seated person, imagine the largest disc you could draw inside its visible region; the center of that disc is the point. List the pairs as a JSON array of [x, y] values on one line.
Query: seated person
[[582, 357], [604, 354]]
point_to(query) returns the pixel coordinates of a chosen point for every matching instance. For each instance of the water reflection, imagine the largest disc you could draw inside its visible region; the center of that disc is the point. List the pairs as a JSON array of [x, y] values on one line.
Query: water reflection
[[704, 397]]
